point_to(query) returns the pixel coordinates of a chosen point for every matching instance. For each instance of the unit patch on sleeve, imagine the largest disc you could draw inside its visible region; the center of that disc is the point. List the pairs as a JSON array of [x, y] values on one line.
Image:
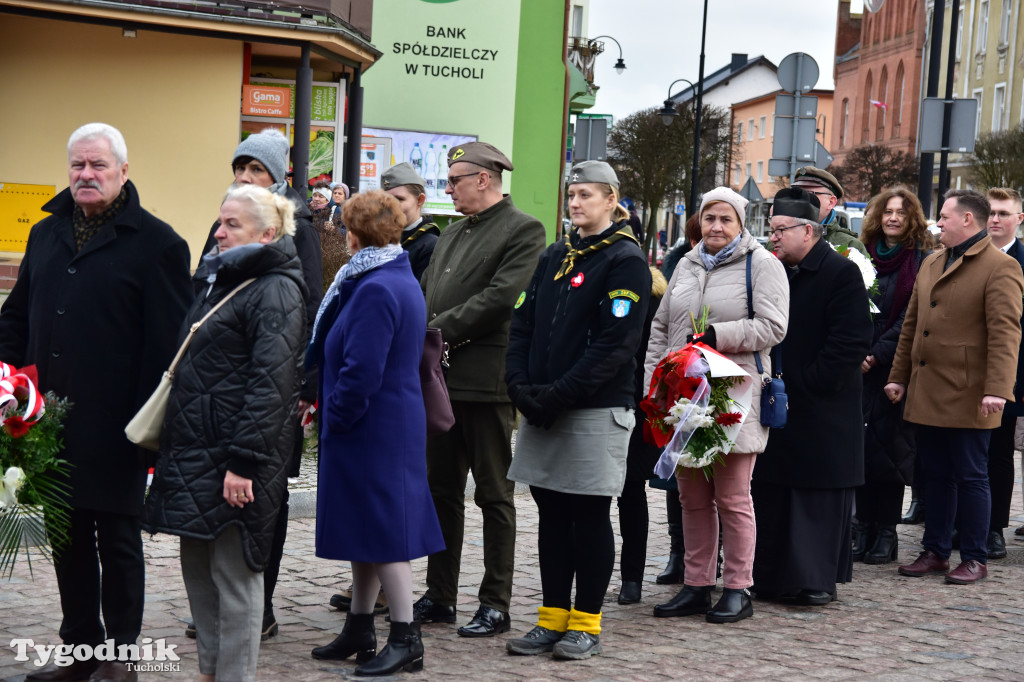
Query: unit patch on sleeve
[[520, 300], [620, 307], [624, 293]]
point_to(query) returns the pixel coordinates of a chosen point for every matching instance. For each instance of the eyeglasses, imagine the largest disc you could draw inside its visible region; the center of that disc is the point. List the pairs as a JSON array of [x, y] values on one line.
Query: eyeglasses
[[777, 233], [454, 179], [1002, 215], [820, 194]]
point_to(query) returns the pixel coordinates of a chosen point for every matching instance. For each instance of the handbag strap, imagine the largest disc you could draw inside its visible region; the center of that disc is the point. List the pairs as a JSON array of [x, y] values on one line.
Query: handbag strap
[[776, 358], [196, 325]]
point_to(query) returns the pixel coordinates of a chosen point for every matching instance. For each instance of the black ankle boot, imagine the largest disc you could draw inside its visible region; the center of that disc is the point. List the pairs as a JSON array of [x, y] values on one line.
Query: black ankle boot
[[357, 637], [689, 601], [885, 547], [863, 538], [732, 607], [404, 651], [915, 514], [673, 573]]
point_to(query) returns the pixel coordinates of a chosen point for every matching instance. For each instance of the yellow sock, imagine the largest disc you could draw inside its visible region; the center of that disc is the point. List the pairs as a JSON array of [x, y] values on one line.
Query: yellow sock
[[585, 622], [552, 618]]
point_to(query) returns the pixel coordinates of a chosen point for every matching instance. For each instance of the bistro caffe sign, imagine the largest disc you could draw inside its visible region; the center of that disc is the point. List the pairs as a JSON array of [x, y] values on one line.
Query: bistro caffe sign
[[263, 100]]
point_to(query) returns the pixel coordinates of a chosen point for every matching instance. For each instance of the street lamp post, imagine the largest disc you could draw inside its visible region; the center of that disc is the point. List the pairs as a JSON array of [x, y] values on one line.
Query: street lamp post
[[668, 113], [620, 65]]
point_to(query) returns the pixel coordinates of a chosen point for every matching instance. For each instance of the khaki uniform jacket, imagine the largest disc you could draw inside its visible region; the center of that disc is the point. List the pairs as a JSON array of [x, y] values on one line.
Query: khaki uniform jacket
[[724, 290], [960, 338], [481, 264]]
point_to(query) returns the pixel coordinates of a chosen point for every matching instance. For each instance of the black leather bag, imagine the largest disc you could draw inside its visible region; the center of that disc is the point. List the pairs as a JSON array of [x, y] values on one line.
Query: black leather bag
[[774, 401]]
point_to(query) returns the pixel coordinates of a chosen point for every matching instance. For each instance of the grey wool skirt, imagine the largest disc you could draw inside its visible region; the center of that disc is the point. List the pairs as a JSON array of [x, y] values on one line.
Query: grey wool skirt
[[583, 453]]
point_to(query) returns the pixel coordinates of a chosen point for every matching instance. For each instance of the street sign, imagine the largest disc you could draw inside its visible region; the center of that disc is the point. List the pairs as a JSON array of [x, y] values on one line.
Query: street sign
[[822, 159], [785, 105], [680, 209], [778, 167], [798, 72], [590, 140], [782, 145], [961, 127], [750, 192]]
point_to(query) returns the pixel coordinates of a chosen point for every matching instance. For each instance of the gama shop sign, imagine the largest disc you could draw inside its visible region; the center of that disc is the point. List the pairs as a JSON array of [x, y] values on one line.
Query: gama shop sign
[[263, 100]]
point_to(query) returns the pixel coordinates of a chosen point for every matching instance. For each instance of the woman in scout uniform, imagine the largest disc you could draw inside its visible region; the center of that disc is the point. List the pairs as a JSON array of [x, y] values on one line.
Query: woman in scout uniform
[[420, 234], [569, 372]]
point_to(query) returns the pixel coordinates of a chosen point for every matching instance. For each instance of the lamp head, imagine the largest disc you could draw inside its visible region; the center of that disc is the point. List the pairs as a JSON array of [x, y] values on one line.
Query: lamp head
[[668, 113]]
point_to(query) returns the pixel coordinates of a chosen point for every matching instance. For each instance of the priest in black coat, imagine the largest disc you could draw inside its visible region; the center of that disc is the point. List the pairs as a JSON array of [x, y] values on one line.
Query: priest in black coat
[[803, 484]]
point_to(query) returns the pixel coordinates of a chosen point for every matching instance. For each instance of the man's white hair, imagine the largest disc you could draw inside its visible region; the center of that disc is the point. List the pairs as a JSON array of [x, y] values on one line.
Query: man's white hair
[[112, 135]]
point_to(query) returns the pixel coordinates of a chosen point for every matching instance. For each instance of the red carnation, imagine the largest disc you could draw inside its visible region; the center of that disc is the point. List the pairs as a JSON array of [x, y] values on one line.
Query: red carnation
[[729, 418], [16, 426]]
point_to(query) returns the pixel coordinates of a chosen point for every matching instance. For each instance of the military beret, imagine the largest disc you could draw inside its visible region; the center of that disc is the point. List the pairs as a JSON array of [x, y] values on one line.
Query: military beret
[[819, 177], [480, 153], [593, 171], [401, 174], [796, 203]]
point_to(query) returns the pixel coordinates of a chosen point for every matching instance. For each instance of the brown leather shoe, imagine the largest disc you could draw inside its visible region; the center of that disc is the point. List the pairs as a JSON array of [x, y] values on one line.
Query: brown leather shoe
[[78, 670], [927, 562], [114, 671], [967, 572]]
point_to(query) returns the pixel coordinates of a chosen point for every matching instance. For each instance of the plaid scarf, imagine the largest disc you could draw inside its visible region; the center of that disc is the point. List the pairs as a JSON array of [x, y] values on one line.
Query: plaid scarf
[[85, 228], [572, 253]]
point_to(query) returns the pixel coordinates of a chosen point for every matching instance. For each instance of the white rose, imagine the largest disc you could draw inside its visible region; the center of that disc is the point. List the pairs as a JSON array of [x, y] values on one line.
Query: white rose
[[13, 480]]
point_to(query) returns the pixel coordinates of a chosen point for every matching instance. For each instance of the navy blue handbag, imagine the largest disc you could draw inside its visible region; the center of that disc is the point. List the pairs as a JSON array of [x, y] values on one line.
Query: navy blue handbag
[[774, 401]]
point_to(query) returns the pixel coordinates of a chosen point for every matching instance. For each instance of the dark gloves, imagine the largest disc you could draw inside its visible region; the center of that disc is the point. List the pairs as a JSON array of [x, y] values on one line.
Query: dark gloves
[[540, 404], [707, 338]]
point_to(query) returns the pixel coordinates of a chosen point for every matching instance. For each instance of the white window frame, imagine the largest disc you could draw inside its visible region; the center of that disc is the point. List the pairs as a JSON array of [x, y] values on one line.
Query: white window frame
[[1004, 23], [760, 171], [982, 26], [747, 169], [978, 94], [739, 132], [998, 106], [761, 125], [750, 129], [846, 123], [959, 32], [738, 171]]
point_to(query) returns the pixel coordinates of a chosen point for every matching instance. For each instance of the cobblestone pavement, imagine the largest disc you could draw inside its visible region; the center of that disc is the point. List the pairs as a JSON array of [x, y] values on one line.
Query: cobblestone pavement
[[884, 626]]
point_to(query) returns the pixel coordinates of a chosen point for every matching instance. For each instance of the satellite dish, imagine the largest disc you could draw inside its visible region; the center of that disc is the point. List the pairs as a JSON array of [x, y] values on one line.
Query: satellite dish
[[873, 5]]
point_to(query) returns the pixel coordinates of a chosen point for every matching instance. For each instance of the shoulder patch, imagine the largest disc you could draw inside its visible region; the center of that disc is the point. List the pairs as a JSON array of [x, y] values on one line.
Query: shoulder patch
[[520, 300], [620, 307], [624, 293]]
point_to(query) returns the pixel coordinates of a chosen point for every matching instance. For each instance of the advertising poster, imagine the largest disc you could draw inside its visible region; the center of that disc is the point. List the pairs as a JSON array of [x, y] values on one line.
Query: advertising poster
[[427, 152]]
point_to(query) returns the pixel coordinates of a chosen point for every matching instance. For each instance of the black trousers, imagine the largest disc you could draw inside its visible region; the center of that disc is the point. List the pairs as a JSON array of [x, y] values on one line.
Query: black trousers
[[633, 522], [880, 502], [574, 541], [102, 567], [1000, 471]]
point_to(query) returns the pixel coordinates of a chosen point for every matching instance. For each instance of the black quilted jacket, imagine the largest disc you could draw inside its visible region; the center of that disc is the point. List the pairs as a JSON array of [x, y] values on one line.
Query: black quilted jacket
[[232, 404]]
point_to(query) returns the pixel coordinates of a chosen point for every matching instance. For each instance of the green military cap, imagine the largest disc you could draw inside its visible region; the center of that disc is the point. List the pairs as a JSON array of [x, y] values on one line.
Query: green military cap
[[401, 174], [819, 177], [480, 153], [593, 171]]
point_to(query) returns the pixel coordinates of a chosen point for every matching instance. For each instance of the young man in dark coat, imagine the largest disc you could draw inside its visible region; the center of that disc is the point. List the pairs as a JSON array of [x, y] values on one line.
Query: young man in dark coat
[[262, 159], [480, 266], [101, 293], [803, 485]]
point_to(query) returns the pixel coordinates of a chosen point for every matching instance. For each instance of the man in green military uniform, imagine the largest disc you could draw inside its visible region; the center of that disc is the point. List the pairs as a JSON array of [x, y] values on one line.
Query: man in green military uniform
[[479, 267], [824, 185]]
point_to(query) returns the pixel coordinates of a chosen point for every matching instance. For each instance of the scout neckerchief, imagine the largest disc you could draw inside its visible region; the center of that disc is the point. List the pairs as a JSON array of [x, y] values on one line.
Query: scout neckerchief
[[417, 233], [572, 253]]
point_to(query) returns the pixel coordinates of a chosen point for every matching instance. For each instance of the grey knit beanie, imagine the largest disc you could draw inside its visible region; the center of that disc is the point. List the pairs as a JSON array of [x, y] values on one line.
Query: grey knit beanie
[[270, 148]]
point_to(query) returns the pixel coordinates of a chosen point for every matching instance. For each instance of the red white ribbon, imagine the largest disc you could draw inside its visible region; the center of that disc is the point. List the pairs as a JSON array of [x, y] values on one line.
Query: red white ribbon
[[16, 386]]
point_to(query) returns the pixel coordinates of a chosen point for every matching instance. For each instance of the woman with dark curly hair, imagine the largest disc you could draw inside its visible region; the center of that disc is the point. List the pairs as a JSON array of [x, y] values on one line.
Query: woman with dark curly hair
[[896, 235]]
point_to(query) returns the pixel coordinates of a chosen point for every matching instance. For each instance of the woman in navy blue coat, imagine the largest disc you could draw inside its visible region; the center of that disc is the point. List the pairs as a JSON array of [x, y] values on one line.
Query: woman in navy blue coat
[[374, 508]]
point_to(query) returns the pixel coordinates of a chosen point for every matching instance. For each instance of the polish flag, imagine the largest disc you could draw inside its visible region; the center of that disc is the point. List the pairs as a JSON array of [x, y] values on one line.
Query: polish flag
[[880, 105]]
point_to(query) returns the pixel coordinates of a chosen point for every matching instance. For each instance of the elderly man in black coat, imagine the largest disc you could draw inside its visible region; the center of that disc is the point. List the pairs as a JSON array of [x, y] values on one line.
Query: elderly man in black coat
[[100, 295], [803, 485]]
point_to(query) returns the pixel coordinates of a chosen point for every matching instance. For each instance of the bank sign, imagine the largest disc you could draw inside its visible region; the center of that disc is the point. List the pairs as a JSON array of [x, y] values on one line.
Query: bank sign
[[448, 67]]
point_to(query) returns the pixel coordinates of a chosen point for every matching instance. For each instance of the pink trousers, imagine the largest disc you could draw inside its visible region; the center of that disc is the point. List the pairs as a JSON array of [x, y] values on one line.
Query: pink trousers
[[726, 495]]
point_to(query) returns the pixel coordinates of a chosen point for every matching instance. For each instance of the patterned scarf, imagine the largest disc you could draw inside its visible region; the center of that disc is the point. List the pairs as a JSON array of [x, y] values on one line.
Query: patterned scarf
[[713, 260], [364, 260], [905, 263], [85, 228], [572, 253]]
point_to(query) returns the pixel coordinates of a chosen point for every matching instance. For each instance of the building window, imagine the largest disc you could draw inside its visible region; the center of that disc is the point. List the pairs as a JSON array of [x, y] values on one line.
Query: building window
[[737, 175], [748, 170], [750, 129], [739, 132], [1004, 23], [982, 26], [845, 123], [977, 120], [761, 125], [577, 21], [883, 96], [866, 114], [959, 32], [897, 101], [760, 171], [998, 107]]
